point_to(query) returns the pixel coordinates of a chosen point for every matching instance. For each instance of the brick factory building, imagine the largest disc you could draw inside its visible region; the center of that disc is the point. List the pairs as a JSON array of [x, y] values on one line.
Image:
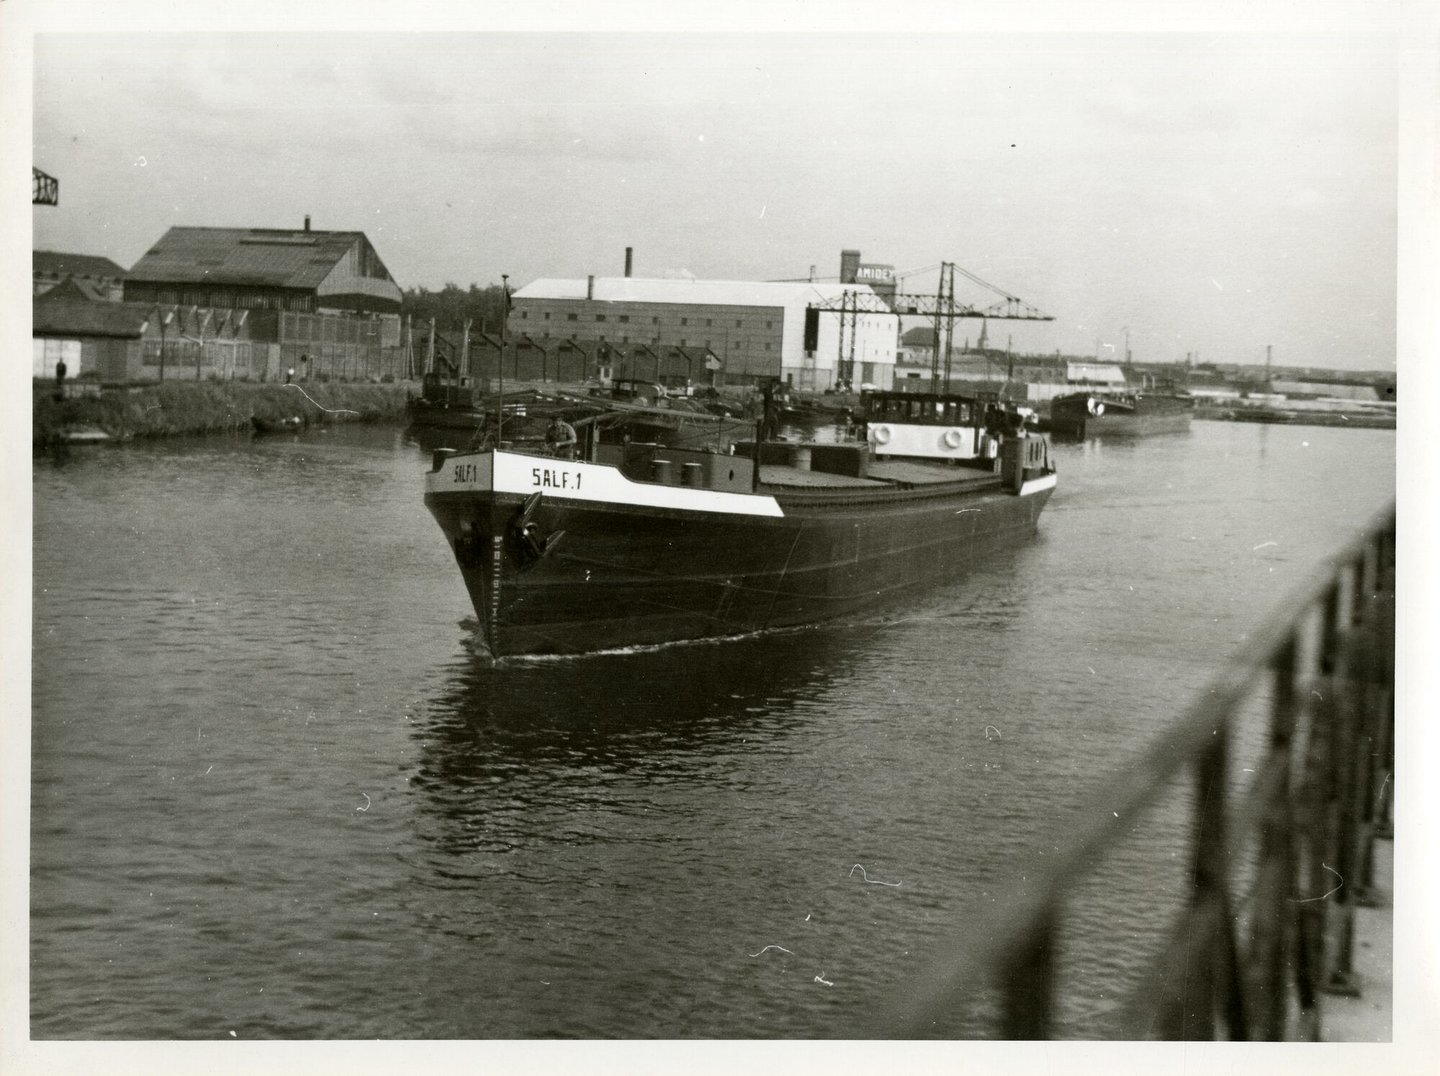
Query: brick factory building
[[755, 330]]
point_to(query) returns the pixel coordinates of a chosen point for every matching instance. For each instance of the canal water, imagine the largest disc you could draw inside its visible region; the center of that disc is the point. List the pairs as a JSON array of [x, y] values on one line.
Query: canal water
[[277, 792]]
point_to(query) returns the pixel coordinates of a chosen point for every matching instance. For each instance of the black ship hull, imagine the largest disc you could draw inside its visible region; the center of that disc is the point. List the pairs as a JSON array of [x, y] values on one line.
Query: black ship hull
[[1082, 415], [552, 571]]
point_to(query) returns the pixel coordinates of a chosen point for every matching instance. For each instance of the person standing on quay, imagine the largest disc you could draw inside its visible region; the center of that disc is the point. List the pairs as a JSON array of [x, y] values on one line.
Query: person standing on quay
[[60, 371]]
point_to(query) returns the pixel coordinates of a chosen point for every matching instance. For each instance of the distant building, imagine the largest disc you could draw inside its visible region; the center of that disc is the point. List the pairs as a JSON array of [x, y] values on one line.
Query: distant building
[[101, 339], [753, 330], [252, 302], [95, 278], [1326, 390], [306, 271], [1097, 375]]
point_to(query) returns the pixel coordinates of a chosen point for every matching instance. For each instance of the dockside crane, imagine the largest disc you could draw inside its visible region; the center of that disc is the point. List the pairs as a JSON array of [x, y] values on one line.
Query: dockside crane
[[941, 307], [45, 189]]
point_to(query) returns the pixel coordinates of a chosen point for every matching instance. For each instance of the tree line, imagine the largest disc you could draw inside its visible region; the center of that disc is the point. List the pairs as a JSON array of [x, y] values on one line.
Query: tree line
[[452, 305]]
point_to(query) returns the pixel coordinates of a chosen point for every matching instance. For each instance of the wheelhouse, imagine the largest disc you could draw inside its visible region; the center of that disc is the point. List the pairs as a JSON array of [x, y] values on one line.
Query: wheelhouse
[[926, 425]]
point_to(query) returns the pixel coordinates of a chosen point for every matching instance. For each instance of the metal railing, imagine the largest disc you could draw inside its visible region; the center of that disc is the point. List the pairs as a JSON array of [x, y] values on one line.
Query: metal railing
[[1320, 796]]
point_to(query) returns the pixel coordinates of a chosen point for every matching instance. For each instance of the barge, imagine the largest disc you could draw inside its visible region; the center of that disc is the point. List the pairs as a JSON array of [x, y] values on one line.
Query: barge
[[1132, 414], [637, 544]]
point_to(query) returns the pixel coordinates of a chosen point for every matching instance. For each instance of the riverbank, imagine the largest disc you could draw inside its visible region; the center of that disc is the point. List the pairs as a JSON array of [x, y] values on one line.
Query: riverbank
[[125, 412], [1299, 413]]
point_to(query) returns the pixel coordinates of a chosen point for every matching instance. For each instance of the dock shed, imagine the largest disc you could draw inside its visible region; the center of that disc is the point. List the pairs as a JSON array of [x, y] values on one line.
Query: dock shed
[[98, 339], [265, 269]]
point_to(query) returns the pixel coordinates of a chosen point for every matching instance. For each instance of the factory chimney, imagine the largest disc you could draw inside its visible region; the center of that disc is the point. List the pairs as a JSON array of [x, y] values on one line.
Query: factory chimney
[[307, 222], [629, 252], [590, 286]]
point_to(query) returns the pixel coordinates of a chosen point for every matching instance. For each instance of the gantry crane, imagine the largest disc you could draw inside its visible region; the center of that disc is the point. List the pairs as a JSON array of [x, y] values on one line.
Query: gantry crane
[[941, 306], [45, 189]]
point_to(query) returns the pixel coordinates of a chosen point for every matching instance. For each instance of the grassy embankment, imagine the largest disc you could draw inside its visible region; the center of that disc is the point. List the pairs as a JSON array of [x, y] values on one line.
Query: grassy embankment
[[179, 408]]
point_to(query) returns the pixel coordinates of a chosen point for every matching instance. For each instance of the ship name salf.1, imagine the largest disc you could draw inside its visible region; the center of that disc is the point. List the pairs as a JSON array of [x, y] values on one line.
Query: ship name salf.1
[[553, 478], [467, 472]]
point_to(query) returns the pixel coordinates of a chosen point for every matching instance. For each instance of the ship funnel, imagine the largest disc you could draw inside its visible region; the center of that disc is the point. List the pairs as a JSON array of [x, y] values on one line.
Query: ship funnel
[[629, 253], [307, 222]]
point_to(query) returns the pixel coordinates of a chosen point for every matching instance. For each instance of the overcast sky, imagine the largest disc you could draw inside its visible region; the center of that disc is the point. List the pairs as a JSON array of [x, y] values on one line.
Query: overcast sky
[[1211, 192]]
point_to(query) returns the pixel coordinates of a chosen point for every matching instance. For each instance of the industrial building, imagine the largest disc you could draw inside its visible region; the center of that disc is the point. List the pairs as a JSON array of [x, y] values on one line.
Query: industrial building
[[754, 330], [92, 277], [103, 338], [299, 270], [224, 303]]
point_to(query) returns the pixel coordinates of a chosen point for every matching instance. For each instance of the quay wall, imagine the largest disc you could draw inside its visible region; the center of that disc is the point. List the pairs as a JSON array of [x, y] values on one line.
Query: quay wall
[[172, 409]]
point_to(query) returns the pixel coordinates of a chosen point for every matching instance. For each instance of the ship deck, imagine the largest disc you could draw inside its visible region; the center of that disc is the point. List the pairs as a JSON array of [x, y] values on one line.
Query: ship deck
[[777, 474], [883, 474]]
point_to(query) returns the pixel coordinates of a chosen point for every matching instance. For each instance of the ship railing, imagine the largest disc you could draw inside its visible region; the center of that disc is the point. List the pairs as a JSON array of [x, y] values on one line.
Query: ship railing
[[1277, 863]]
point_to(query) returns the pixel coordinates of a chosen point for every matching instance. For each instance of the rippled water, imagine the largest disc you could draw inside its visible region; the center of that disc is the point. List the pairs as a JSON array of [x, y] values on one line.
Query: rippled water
[[277, 793]]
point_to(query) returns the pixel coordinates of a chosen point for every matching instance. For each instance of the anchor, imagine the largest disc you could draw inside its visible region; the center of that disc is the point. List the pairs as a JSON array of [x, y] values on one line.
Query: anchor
[[532, 542]]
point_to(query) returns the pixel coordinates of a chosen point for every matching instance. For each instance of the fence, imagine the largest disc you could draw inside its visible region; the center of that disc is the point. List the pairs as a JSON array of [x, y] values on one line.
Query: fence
[[247, 360], [1250, 956]]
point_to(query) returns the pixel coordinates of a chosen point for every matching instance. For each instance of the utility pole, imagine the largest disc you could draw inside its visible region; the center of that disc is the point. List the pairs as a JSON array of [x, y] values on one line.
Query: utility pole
[[500, 396], [464, 352]]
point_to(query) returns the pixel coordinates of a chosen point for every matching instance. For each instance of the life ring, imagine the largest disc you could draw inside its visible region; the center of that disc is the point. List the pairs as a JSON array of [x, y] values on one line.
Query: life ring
[[952, 438], [1091, 405], [1099, 409], [882, 434]]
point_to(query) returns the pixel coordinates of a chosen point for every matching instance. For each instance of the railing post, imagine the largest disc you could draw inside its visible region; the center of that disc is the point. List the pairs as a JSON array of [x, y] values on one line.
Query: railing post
[[1271, 927], [1208, 979], [1027, 982], [1345, 763], [1383, 803], [1314, 828]]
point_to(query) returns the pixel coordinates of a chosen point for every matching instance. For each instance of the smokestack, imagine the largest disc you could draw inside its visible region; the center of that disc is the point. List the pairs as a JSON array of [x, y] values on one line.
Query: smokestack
[[629, 252], [590, 286], [307, 222]]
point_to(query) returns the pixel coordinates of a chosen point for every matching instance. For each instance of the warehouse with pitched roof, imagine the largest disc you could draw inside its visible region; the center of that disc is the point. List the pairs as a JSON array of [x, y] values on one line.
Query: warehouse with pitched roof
[[254, 302], [265, 269]]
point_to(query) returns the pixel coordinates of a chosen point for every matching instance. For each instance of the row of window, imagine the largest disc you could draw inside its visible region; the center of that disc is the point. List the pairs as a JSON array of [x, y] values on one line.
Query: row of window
[[219, 299], [624, 319], [930, 412]]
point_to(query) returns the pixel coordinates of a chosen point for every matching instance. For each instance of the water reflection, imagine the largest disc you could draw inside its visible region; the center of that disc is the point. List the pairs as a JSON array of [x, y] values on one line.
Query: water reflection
[[606, 708], [518, 739], [429, 438]]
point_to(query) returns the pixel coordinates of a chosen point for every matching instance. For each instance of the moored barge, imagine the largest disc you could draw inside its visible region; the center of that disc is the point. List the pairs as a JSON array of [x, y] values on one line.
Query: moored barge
[[1131, 414]]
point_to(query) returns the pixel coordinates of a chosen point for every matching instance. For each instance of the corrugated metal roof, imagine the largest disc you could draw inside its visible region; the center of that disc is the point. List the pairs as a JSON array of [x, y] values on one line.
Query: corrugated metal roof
[[76, 317], [56, 263], [629, 289], [265, 257]]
